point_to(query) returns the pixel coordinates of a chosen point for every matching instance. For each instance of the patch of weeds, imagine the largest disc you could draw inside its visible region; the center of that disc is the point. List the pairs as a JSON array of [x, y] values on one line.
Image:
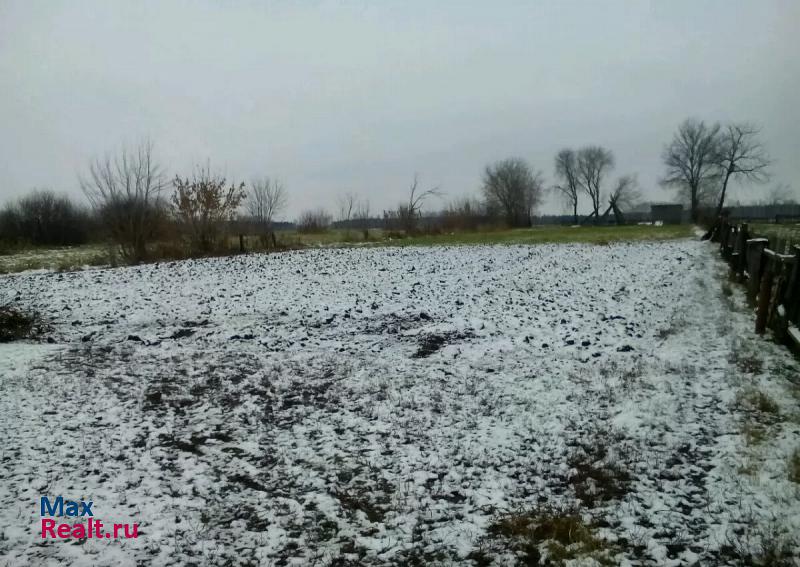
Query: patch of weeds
[[748, 467], [754, 400], [747, 362], [761, 546], [429, 344], [682, 368], [67, 265], [629, 373], [727, 290], [16, 324], [394, 323], [599, 470], [787, 371], [794, 466], [754, 433], [675, 326], [255, 519], [355, 500], [547, 536]]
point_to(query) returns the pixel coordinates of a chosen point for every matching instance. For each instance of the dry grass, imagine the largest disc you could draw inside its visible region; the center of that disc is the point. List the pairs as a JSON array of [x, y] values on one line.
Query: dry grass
[[65, 259], [794, 466], [749, 363], [753, 433], [548, 536], [770, 545], [753, 400]]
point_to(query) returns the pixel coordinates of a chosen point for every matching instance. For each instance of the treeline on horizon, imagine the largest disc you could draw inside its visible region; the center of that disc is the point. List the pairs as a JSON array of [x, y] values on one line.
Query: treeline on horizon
[[133, 204]]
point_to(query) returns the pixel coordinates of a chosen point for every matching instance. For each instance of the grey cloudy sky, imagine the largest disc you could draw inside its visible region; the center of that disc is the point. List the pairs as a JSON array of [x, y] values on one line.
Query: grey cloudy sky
[[357, 96]]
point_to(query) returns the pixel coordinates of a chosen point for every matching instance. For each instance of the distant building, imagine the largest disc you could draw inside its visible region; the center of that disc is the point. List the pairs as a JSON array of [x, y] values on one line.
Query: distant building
[[668, 213]]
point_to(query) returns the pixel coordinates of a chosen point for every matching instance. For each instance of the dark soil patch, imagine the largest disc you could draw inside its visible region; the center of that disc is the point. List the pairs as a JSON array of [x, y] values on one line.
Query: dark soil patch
[[429, 344], [396, 323]]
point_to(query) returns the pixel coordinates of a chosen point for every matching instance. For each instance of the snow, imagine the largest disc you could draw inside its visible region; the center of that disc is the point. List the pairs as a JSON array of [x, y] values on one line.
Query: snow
[[386, 405]]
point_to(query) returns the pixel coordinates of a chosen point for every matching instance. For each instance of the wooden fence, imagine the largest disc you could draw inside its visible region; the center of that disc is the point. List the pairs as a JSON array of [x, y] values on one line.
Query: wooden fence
[[770, 268]]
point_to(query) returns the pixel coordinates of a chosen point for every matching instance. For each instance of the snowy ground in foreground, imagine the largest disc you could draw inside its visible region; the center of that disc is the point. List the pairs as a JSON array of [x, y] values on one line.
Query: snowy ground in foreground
[[386, 406]]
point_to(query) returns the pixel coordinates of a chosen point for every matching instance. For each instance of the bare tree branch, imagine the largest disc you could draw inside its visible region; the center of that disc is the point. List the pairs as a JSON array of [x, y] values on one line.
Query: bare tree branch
[[408, 213]]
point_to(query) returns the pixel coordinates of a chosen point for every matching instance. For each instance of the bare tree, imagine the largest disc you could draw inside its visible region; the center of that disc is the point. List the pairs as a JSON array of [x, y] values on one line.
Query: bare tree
[[511, 189], [266, 198], [742, 156], [44, 218], [781, 194], [125, 192], [409, 212], [593, 163], [361, 215], [567, 172], [346, 204], [203, 204], [691, 160], [625, 195]]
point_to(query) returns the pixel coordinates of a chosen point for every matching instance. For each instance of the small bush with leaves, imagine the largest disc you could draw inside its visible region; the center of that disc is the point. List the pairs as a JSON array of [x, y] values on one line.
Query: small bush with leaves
[[203, 204]]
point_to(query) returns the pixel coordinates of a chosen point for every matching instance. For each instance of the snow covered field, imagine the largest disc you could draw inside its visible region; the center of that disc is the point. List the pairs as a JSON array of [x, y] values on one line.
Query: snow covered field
[[401, 406]]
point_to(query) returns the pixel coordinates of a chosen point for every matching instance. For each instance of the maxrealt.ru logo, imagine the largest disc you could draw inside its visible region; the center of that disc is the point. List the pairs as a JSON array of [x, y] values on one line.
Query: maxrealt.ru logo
[[79, 509]]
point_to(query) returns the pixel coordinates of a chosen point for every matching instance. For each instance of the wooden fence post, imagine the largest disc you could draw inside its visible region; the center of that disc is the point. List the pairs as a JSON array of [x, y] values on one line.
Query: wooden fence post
[[764, 291], [792, 297], [727, 238], [716, 234], [241, 243], [739, 256], [755, 250]]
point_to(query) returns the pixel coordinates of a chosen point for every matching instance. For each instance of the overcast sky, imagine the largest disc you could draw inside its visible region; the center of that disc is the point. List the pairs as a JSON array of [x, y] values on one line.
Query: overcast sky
[[357, 96]]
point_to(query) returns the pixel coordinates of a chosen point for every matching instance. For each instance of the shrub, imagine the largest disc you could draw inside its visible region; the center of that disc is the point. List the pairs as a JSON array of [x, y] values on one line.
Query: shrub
[[16, 324], [754, 400], [203, 204], [562, 535], [314, 220], [126, 195], [762, 545], [463, 214]]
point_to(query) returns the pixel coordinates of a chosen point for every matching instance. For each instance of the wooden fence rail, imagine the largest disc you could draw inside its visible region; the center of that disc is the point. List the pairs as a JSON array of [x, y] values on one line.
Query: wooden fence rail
[[770, 268]]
